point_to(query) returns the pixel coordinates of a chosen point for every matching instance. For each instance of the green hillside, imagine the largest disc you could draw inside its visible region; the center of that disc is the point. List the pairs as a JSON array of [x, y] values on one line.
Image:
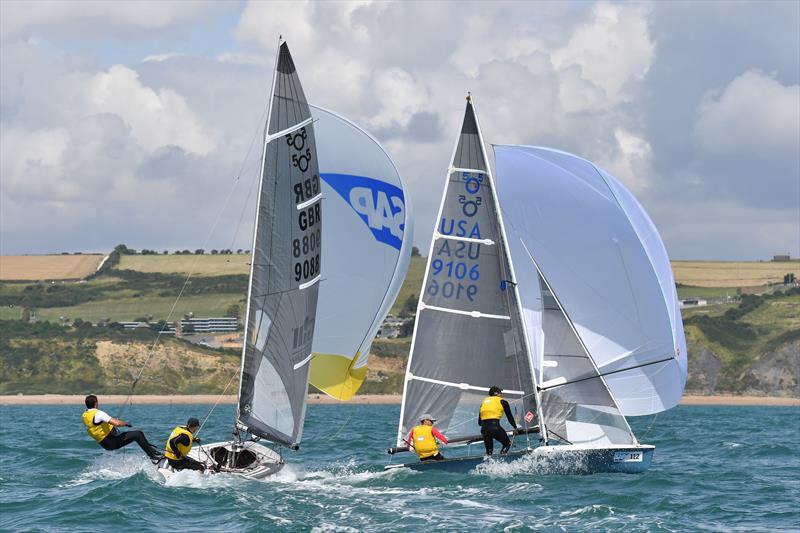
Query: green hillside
[[744, 345]]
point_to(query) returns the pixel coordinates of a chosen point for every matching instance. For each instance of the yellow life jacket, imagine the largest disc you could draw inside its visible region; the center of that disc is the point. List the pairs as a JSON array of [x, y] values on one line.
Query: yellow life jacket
[[491, 408], [424, 441], [169, 453], [97, 431]]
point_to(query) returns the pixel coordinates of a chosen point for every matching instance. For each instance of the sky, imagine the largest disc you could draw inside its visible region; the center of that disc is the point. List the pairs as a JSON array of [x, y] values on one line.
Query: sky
[[134, 122]]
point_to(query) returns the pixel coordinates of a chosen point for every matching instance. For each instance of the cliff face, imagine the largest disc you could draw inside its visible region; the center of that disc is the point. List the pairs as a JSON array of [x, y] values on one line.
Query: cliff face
[[703, 370], [775, 373]]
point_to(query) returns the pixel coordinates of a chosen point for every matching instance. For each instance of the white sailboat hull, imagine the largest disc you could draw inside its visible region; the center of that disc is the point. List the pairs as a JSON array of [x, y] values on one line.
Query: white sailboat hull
[[252, 460], [560, 459]]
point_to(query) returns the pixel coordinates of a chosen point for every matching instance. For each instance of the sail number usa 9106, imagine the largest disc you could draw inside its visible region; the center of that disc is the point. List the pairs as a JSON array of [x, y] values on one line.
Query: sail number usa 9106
[[306, 194]]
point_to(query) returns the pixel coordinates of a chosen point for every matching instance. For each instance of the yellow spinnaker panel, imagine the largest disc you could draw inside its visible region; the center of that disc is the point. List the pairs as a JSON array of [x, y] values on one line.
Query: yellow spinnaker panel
[[335, 376], [366, 249]]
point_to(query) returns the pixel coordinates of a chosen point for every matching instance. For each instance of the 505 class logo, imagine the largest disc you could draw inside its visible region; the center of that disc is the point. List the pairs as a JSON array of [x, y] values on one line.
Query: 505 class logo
[[379, 204]]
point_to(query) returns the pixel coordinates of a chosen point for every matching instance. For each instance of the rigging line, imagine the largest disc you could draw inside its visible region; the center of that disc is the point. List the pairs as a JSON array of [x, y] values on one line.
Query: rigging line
[[208, 236], [340, 429], [606, 374], [652, 423], [180, 294], [219, 398]]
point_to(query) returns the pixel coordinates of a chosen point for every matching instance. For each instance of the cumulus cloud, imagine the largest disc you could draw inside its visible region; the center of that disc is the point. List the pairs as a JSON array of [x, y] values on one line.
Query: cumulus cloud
[[98, 19], [137, 117], [755, 112], [156, 119], [609, 50]]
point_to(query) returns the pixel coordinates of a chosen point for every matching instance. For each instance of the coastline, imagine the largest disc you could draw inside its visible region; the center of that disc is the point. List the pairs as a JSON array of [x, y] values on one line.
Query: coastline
[[116, 399]]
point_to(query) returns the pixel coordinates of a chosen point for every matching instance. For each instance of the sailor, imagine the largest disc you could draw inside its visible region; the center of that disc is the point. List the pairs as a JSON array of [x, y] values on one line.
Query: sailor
[[423, 439], [492, 409], [103, 429], [179, 443]]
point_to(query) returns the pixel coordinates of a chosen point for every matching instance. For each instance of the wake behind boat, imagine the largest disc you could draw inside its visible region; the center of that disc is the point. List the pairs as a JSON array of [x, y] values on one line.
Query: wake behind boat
[[490, 312]]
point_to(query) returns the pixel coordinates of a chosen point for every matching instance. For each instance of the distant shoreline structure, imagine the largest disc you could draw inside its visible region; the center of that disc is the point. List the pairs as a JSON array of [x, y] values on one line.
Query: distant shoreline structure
[[364, 399]]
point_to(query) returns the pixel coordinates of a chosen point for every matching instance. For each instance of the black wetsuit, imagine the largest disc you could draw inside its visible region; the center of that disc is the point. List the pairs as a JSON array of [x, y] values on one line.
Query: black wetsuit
[[184, 463], [491, 430], [437, 457], [117, 439]]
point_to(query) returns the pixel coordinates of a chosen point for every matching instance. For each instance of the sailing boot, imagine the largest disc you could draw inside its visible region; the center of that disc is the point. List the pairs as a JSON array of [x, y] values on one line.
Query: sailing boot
[[504, 449]]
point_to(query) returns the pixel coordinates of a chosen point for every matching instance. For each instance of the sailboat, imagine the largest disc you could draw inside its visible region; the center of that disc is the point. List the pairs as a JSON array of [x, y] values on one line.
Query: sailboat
[[282, 292], [554, 285]]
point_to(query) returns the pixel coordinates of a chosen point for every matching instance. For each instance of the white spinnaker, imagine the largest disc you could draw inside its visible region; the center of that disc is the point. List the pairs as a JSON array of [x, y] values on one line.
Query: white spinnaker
[[367, 249], [604, 259]]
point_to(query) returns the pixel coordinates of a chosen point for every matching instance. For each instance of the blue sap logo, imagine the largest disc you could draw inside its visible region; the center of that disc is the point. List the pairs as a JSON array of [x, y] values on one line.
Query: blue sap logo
[[379, 204]]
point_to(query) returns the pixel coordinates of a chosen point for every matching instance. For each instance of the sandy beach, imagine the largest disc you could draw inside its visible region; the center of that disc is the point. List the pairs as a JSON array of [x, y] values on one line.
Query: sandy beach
[[67, 399]]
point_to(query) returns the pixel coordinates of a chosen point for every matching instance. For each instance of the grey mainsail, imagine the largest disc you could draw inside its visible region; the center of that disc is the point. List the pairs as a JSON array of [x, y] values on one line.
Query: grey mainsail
[[468, 335], [282, 296]]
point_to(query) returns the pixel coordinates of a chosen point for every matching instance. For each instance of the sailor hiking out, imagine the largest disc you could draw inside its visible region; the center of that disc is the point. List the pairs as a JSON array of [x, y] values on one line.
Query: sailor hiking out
[[492, 409], [103, 429], [423, 439], [179, 444]]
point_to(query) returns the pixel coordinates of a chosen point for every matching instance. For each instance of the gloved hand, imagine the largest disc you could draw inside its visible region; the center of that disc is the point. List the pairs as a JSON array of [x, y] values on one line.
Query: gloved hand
[[197, 439], [127, 425]]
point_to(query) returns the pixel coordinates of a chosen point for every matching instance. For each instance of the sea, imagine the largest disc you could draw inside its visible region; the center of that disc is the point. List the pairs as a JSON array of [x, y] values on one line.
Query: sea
[[715, 469]]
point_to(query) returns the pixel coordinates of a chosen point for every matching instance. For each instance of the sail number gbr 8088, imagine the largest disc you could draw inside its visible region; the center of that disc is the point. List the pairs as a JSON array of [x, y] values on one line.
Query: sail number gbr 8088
[[306, 247], [458, 261]]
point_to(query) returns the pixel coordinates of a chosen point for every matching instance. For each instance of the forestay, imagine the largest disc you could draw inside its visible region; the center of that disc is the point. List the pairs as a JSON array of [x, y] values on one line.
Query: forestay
[[467, 335], [605, 263], [367, 250], [282, 297]]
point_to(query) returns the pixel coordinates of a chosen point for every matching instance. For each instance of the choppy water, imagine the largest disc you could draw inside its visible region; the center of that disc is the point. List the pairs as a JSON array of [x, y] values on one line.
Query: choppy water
[[715, 469]]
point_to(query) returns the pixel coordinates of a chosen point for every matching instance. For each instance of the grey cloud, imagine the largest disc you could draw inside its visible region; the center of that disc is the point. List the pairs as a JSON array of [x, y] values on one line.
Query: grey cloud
[[706, 205]]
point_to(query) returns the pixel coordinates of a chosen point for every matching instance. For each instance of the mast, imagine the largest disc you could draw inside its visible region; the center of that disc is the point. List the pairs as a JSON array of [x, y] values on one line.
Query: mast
[[517, 301], [255, 235]]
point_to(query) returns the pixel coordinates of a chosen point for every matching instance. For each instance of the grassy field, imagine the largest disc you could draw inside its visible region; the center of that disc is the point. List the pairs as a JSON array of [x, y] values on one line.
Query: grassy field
[[197, 265], [706, 292], [47, 267], [128, 308], [717, 276], [727, 274], [412, 283]]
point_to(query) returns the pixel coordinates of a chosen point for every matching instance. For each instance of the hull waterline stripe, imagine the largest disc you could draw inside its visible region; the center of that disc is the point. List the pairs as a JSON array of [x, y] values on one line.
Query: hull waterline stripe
[[290, 129], [488, 242], [304, 361], [473, 314], [309, 283], [554, 385], [464, 386], [309, 202]]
